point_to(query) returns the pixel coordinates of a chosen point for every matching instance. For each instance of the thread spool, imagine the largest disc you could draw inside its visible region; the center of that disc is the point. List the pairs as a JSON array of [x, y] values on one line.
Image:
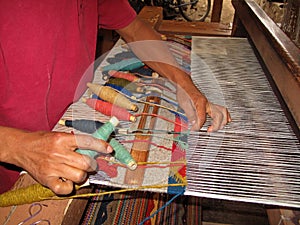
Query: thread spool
[[120, 152], [125, 64], [130, 86], [122, 155], [27, 195], [110, 95], [145, 70], [102, 133], [120, 89], [86, 126], [109, 109], [124, 75]]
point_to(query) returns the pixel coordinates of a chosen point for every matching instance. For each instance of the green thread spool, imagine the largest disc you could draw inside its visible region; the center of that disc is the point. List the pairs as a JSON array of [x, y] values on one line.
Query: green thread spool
[[122, 154], [124, 65], [102, 133]]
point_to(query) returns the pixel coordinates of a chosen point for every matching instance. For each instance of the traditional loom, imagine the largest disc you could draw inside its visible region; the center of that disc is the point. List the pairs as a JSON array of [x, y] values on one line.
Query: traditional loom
[[256, 157], [253, 159]]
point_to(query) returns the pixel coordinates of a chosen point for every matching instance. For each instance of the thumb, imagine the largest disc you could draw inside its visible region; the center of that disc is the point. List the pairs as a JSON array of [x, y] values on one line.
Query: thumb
[[60, 186]]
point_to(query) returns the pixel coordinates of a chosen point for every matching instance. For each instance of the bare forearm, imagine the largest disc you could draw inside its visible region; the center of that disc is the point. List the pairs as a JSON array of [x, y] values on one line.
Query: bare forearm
[[11, 142], [148, 46]]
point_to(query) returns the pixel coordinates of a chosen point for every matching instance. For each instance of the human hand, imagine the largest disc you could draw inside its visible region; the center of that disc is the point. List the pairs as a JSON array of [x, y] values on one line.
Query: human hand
[[196, 106], [51, 159], [219, 114]]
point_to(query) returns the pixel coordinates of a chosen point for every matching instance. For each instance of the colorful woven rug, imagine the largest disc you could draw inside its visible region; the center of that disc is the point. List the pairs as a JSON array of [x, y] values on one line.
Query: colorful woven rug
[[134, 207]]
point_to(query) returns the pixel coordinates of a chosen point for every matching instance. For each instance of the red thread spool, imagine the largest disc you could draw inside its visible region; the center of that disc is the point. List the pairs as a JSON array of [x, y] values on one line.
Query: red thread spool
[[123, 75], [109, 109]]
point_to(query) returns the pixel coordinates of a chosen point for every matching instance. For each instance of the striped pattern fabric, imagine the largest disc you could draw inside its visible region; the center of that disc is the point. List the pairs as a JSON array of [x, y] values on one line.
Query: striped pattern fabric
[[134, 207]]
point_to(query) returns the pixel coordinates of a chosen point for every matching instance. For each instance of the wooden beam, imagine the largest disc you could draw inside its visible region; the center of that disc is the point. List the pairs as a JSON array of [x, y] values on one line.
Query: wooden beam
[[216, 11], [194, 28], [152, 15], [282, 216]]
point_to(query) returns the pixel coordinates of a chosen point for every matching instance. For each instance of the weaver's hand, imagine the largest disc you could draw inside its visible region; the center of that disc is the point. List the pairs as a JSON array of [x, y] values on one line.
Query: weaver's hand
[[50, 157], [196, 106], [219, 114]]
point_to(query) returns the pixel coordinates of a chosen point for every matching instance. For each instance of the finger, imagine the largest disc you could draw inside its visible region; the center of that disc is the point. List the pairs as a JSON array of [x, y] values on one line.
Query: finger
[[220, 116], [79, 161], [229, 120], [200, 115], [89, 142], [73, 174], [216, 122], [190, 112], [226, 117], [60, 186]]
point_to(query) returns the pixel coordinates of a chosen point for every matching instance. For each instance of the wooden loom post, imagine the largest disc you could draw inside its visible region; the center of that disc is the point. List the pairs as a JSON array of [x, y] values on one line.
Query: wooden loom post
[[140, 148]]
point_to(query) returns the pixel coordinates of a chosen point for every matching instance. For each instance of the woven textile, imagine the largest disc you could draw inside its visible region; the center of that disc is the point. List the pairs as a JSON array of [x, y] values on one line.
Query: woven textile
[[134, 207]]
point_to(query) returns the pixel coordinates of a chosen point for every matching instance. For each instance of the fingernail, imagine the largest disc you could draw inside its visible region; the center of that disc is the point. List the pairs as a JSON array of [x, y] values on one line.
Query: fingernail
[[209, 130], [109, 149], [193, 122]]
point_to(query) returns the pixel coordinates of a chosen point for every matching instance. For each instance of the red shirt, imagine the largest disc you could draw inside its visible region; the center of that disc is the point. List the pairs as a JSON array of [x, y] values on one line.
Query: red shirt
[[47, 50]]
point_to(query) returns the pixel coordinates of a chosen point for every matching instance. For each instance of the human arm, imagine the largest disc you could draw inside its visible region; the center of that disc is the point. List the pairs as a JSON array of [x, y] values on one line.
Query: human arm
[[147, 45], [49, 157]]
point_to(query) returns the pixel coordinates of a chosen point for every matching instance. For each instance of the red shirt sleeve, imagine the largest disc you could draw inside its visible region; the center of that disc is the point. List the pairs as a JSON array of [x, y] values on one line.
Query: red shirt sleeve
[[115, 14]]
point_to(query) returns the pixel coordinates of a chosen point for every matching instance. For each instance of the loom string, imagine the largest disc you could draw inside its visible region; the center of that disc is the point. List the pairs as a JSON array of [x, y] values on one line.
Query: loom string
[[162, 106], [151, 104], [159, 86], [87, 195], [147, 77], [163, 96], [149, 142], [98, 124], [153, 135], [139, 84], [162, 208], [160, 117], [169, 163]]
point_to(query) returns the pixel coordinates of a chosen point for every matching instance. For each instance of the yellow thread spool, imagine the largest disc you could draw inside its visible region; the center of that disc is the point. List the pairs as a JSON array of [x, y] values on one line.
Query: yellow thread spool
[[110, 95], [30, 194]]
